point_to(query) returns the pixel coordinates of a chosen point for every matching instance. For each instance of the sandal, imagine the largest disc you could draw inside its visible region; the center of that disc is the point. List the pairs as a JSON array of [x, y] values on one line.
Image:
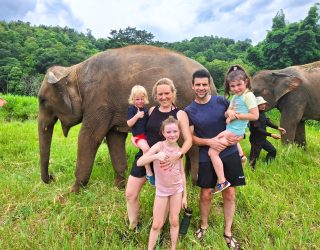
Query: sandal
[[231, 242], [200, 233]]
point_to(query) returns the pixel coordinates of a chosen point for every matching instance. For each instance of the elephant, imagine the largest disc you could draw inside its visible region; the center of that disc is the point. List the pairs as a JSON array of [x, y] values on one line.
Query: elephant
[[295, 91], [95, 92]]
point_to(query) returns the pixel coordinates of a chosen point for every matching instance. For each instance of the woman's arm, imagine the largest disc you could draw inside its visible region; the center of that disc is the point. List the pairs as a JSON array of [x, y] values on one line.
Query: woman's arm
[[185, 129], [187, 137], [154, 153]]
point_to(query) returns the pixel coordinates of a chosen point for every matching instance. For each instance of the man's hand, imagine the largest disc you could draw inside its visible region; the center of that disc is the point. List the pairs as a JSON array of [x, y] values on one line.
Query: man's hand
[[217, 144]]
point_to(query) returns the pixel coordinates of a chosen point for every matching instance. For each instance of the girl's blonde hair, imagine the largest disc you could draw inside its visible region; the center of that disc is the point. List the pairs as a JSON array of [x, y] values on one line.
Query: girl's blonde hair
[[167, 121], [138, 90], [165, 81], [235, 72]]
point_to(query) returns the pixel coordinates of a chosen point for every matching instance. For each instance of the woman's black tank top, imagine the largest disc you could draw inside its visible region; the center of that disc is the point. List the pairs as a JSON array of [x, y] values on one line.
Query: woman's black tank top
[[154, 123]]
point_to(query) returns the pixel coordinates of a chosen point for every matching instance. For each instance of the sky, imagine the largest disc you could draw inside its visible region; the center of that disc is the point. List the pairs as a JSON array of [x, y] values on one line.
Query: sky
[[167, 20]]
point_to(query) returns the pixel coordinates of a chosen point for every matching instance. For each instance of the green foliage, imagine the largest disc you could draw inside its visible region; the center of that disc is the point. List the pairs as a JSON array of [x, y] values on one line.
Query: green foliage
[[19, 108], [288, 44], [279, 22], [277, 209], [129, 36], [27, 51]]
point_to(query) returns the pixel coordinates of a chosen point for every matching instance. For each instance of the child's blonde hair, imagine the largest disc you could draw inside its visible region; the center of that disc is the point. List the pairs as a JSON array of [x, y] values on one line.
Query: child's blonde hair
[[167, 121], [138, 90]]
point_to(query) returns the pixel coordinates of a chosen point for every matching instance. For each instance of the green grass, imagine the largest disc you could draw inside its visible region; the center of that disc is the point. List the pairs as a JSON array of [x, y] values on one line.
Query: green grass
[[277, 209], [19, 108]]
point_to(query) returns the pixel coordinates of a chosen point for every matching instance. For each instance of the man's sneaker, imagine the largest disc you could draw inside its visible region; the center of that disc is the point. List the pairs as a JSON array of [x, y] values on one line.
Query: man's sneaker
[[151, 180], [243, 160], [221, 186]]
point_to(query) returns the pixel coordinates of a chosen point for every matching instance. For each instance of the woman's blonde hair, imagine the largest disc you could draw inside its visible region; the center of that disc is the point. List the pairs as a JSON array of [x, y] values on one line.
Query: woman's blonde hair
[[138, 90], [165, 81]]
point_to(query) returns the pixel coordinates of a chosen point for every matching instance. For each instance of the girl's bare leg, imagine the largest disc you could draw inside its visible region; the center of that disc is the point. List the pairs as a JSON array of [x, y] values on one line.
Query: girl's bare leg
[[175, 202], [159, 217], [217, 164]]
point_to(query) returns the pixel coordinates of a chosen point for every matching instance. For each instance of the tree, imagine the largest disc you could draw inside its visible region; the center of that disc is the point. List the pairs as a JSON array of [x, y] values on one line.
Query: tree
[[14, 78], [279, 22], [130, 36]]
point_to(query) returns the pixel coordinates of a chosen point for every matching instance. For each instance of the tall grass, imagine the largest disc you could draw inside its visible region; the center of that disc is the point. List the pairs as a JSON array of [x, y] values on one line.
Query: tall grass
[[19, 108], [277, 209]]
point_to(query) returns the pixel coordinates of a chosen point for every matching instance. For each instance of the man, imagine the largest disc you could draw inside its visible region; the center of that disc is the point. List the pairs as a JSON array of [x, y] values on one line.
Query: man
[[258, 135], [207, 119]]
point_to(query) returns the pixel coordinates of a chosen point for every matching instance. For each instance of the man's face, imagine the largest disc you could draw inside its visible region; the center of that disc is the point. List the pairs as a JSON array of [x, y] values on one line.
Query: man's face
[[201, 88]]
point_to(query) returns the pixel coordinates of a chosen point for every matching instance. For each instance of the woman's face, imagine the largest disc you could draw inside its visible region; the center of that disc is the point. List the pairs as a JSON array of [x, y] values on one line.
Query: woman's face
[[164, 95]]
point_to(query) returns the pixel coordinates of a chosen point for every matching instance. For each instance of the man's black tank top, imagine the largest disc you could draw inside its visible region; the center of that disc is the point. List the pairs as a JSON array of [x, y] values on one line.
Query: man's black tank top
[[154, 123]]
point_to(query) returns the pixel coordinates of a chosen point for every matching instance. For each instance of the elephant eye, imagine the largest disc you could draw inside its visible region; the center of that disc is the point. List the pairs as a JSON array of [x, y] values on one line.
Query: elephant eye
[[42, 100]]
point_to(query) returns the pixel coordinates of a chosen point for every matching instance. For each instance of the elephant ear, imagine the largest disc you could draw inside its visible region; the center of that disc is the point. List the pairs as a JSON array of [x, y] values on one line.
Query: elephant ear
[[286, 84], [58, 81]]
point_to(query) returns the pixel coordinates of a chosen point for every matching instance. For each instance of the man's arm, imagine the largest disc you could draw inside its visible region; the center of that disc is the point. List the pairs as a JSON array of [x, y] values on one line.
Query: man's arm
[[210, 142]]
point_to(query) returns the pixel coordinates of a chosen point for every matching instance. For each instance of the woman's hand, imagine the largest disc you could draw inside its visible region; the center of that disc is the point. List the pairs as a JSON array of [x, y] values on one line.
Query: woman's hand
[[169, 162], [173, 158], [133, 142]]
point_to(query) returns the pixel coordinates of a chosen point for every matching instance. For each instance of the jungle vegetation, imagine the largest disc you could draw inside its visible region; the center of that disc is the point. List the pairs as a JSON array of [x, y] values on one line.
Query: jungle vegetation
[[26, 51]]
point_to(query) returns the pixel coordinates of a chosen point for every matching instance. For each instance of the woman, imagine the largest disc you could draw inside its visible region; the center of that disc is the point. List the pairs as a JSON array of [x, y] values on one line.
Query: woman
[[164, 92]]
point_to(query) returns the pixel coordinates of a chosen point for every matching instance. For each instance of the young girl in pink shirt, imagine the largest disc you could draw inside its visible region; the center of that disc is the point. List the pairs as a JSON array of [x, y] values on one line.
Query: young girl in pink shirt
[[170, 182]]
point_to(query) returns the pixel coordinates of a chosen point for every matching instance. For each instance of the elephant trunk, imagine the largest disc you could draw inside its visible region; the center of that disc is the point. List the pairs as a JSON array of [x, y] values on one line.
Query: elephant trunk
[[45, 130]]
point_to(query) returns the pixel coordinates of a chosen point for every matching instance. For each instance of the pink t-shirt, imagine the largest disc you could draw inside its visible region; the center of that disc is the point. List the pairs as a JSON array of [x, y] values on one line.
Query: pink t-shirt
[[168, 180]]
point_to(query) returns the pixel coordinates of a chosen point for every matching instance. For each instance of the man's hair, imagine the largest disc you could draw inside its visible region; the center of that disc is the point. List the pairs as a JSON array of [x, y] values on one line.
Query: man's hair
[[201, 73]]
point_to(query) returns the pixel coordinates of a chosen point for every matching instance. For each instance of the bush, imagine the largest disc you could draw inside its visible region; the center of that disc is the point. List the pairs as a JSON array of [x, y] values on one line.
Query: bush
[[19, 108]]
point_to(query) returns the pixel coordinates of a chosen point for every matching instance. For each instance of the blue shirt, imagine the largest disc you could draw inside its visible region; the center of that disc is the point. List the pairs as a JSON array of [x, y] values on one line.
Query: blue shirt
[[140, 126], [208, 120]]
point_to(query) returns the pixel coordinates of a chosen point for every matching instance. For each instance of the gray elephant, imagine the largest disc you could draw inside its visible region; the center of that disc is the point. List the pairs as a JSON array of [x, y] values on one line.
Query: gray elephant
[[295, 91], [95, 92]]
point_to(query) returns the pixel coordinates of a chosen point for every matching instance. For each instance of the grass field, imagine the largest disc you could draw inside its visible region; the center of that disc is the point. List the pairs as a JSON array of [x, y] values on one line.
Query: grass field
[[279, 208]]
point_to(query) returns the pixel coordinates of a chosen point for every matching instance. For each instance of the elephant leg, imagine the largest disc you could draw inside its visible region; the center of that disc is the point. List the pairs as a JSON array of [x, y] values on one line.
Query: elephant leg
[[300, 137], [88, 144], [289, 122], [192, 163], [116, 144], [292, 111]]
